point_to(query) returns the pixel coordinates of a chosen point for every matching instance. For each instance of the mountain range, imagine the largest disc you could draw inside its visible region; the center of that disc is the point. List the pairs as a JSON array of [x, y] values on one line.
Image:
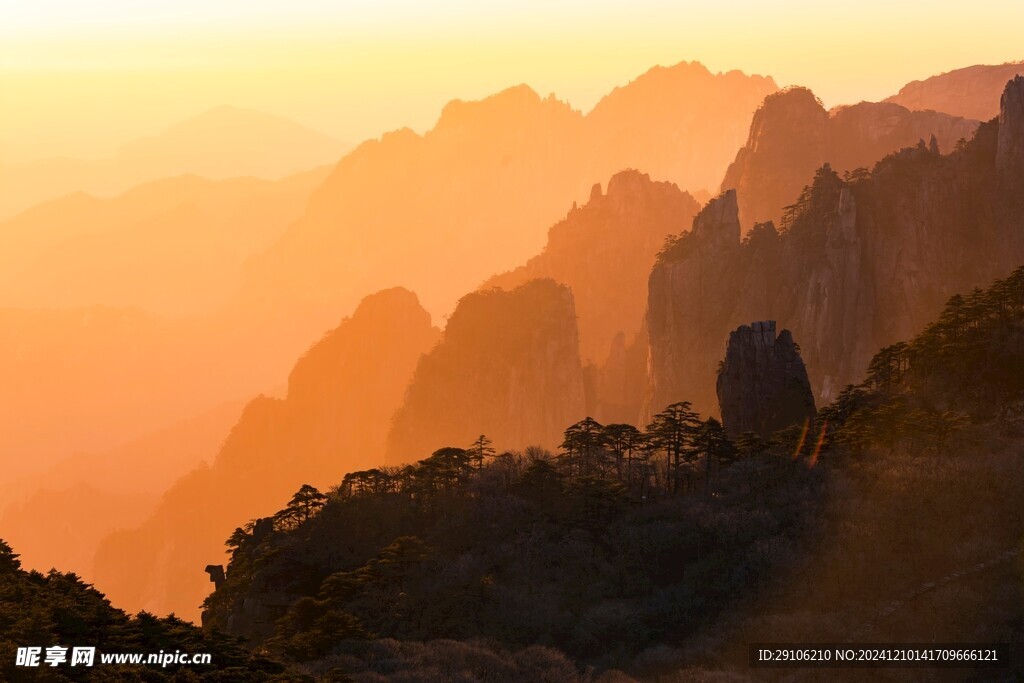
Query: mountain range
[[385, 216], [221, 143], [971, 92]]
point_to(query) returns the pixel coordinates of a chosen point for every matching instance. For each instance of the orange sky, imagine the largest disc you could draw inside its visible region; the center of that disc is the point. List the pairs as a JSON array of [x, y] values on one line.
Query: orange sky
[[78, 79]]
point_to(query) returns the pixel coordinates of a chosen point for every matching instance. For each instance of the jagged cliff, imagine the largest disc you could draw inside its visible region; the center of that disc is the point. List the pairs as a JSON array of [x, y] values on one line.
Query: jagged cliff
[[508, 366], [762, 384], [1010, 143], [861, 264], [972, 92], [604, 251], [792, 134], [341, 395]]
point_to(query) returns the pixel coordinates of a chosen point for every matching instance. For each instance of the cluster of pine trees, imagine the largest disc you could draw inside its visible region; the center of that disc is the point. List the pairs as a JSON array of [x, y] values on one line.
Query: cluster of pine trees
[[612, 539], [56, 609], [923, 392], [666, 458]]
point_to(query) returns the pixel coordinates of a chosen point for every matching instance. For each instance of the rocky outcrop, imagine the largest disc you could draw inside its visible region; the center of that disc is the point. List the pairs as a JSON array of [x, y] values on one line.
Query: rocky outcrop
[[792, 134], [762, 384], [971, 92], [604, 251], [862, 264], [341, 395], [1010, 144], [508, 366], [688, 301]]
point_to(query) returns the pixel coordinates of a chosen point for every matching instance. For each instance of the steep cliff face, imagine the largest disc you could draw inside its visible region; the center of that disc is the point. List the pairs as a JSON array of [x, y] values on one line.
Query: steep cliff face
[[341, 395], [792, 134], [689, 301], [971, 92], [762, 385], [1010, 144], [859, 266], [788, 140], [508, 366], [604, 251]]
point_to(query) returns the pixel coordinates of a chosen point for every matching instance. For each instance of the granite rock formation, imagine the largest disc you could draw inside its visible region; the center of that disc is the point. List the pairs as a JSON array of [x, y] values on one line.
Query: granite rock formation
[[762, 384], [604, 251], [792, 134], [862, 264], [508, 366], [1010, 144]]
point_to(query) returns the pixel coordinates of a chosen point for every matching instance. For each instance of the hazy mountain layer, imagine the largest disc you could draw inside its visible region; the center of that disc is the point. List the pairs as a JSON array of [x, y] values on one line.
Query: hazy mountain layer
[[442, 211], [221, 143], [172, 247], [341, 395], [58, 517], [971, 92]]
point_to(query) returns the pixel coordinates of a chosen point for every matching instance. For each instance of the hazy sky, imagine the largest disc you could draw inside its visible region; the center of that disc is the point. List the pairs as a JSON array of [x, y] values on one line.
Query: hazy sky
[[79, 77]]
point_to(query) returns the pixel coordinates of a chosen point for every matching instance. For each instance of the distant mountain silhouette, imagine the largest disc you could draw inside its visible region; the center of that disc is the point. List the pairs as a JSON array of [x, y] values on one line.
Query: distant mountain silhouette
[[59, 516], [971, 92], [341, 395], [221, 143], [792, 135], [440, 212], [680, 123], [172, 247], [508, 366]]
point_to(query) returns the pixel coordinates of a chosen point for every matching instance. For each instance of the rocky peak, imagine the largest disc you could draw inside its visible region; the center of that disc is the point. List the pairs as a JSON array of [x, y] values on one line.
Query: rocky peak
[[780, 113], [718, 223], [627, 183], [792, 135], [508, 366], [387, 317], [762, 384], [604, 251], [519, 100], [1010, 145]]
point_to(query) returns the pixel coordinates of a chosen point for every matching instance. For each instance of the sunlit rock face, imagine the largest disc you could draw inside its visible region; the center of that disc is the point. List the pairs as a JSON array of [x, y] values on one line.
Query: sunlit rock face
[[762, 385], [858, 265], [508, 366]]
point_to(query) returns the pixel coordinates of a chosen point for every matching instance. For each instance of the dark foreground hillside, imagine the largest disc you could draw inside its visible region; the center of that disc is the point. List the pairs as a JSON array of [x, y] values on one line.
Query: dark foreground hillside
[[55, 609], [894, 517]]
